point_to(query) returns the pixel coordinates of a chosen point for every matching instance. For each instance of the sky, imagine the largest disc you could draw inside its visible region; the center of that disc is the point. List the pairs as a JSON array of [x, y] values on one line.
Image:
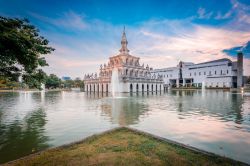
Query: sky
[[85, 33]]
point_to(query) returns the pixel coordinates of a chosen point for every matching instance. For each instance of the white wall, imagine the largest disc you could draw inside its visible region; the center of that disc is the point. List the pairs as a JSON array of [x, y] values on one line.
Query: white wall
[[201, 73]]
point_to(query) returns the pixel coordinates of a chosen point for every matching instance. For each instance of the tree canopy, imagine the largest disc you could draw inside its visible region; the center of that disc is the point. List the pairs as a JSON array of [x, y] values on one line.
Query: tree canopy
[[52, 81], [21, 51]]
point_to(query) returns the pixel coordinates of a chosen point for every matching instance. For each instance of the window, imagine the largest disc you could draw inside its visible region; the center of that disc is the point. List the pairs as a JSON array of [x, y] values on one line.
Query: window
[[227, 71], [194, 73], [190, 74], [167, 75], [199, 73], [204, 73], [221, 72], [215, 72]]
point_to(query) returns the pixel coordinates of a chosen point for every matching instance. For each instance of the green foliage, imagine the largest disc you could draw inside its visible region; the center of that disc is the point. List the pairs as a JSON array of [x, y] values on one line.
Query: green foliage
[[78, 83], [34, 79], [52, 81], [68, 84], [9, 84], [21, 50]]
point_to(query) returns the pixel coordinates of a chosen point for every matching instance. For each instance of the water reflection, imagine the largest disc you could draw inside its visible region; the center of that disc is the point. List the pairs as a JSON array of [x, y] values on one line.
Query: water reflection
[[23, 137], [205, 119], [226, 106], [123, 111]]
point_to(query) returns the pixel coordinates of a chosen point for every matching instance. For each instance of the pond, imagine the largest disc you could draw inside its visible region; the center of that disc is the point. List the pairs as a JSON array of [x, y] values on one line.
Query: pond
[[213, 120]]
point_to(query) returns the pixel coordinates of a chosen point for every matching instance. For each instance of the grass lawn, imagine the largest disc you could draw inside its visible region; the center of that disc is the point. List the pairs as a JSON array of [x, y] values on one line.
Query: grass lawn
[[122, 147]]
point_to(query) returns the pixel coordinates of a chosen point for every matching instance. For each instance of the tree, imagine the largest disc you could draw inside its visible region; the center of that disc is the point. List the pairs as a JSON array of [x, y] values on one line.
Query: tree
[[68, 83], [52, 81], [21, 50], [78, 83]]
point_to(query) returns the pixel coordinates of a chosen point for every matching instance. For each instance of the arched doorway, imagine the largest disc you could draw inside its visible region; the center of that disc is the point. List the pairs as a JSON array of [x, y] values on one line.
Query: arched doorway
[[137, 87], [156, 87], [94, 87], [131, 87], [102, 87], [90, 87], [107, 87], [147, 88], [152, 88], [142, 87], [98, 88]]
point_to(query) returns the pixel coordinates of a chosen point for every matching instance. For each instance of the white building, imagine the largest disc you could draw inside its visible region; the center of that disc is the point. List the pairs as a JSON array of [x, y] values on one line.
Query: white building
[[221, 73], [123, 73]]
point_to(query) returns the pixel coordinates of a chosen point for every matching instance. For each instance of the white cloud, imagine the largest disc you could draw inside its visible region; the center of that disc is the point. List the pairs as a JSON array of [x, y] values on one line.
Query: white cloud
[[198, 44], [242, 14], [70, 20], [159, 43], [203, 14], [226, 15]]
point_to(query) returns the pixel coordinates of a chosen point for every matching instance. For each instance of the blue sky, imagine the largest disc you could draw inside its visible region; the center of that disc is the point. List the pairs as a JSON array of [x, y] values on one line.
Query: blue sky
[[86, 32]]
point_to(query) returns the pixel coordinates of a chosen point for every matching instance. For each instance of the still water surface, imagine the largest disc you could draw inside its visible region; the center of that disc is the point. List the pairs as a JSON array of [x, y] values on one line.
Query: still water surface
[[215, 121]]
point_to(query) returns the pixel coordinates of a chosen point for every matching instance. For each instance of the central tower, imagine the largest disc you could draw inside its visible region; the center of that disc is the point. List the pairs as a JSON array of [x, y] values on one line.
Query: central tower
[[124, 43]]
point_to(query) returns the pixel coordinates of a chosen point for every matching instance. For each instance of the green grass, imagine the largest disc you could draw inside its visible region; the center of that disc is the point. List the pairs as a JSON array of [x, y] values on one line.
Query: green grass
[[122, 147]]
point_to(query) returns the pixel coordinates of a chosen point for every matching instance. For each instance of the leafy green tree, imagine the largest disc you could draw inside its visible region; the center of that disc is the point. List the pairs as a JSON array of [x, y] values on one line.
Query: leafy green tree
[[21, 51], [68, 83], [52, 81], [78, 83], [6, 83]]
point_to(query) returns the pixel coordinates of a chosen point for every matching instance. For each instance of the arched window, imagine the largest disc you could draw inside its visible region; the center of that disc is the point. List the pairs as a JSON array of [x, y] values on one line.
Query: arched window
[[137, 87], [131, 87], [131, 73]]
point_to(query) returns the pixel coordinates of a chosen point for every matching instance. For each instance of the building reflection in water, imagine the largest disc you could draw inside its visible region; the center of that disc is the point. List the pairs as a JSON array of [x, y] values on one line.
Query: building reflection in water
[[127, 109], [220, 104], [204, 119], [124, 110]]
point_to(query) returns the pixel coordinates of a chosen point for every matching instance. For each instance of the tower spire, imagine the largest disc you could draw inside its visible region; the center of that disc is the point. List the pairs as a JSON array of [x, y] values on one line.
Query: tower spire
[[124, 43]]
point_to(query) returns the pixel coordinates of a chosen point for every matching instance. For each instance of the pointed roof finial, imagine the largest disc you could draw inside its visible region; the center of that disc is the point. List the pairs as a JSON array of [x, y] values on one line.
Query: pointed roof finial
[[124, 43]]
